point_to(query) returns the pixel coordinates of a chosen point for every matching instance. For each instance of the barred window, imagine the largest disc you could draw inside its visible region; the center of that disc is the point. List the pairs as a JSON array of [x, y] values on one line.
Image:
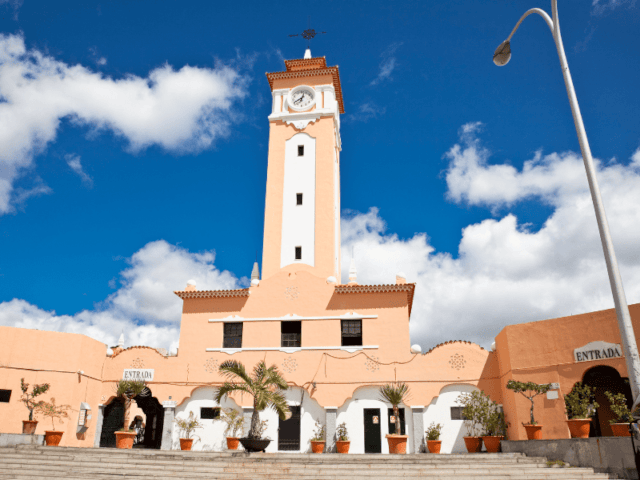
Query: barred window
[[207, 413], [456, 413], [232, 335], [351, 333], [291, 334]]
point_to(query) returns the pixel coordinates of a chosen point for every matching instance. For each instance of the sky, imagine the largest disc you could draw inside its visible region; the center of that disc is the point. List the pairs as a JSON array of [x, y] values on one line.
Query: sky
[[133, 156]]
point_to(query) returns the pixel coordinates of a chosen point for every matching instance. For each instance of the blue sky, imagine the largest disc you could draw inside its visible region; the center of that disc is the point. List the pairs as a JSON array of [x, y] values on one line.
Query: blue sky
[[135, 146]]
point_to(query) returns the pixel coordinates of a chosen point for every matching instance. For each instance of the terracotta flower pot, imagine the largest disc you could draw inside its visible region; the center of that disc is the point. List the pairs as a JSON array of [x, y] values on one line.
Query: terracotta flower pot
[[620, 429], [579, 427], [534, 432], [434, 446], [473, 444], [29, 426], [342, 446], [232, 443], [125, 439], [492, 443], [397, 443], [52, 438], [186, 443], [317, 446]]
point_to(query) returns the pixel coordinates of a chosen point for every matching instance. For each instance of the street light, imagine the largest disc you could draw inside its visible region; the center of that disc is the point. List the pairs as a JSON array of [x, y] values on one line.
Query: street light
[[501, 57]]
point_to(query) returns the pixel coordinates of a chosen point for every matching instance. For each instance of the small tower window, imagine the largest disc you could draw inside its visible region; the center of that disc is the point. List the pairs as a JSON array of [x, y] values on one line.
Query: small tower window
[[301, 150], [298, 253], [298, 199]]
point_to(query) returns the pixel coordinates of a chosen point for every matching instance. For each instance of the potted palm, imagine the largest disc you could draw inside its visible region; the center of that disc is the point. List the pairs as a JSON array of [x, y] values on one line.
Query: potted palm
[[530, 391], [581, 406], [473, 406], [187, 426], [395, 394], [235, 425], [433, 437], [318, 439], [29, 426], [620, 424], [494, 425], [127, 390], [50, 409], [265, 386], [342, 443]]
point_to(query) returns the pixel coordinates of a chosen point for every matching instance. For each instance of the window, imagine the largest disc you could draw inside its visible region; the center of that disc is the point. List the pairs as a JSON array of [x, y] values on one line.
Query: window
[[291, 334], [232, 335], [298, 253], [351, 333], [298, 199], [456, 413], [209, 413], [5, 395], [301, 150]]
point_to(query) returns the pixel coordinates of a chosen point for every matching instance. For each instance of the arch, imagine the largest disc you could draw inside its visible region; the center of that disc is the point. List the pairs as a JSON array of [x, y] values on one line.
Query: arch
[[605, 378]]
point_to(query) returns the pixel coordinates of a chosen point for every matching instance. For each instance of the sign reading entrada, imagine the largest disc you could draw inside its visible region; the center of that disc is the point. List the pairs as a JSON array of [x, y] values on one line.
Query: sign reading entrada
[[138, 374], [597, 351]]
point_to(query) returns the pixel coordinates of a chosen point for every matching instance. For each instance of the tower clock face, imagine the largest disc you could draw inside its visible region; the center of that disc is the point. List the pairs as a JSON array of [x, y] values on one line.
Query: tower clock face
[[302, 98]]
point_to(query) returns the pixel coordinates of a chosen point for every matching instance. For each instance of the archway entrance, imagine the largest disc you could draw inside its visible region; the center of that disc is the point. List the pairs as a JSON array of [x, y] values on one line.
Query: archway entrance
[[605, 379], [150, 429]]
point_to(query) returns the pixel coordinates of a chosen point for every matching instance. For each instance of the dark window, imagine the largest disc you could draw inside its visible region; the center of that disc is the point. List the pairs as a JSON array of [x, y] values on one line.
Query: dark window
[[351, 333], [300, 150], [298, 199], [456, 413], [291, 334], [209, 413], [5, 395], [232, 335], [298, 253]]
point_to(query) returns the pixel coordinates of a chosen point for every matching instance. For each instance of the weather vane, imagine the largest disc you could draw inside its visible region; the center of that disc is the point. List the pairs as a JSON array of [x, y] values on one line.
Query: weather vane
[[308, 34]]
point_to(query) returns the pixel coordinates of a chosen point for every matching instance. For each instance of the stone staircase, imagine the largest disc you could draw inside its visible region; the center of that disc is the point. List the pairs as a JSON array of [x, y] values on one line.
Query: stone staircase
[[26, 462]]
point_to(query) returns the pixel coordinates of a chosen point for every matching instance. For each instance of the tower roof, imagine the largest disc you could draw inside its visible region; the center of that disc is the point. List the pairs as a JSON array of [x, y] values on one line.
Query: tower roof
[[305, 67]]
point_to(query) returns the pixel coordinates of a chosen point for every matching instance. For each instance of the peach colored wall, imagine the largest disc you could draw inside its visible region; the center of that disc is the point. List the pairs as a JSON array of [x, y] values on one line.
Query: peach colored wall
[[294, 82]]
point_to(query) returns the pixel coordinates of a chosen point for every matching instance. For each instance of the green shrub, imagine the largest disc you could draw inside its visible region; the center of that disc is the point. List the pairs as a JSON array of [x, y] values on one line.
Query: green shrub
[[529, 390], [580, 403], [433, 432]]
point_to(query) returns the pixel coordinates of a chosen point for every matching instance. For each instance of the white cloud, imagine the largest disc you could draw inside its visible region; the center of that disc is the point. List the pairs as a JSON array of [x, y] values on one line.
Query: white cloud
[[15, 4], [144, 307], [388, 64], [367, 111], [74, 163], [181, 110], [599, 7]]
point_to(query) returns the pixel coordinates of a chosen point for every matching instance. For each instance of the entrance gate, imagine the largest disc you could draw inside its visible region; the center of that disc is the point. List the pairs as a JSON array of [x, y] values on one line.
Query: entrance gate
[[289, 431]]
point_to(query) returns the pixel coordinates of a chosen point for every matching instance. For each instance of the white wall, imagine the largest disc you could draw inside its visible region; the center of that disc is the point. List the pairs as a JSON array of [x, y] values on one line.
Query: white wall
[[352, 413], [439, 411], [298, 221], [212, 435]]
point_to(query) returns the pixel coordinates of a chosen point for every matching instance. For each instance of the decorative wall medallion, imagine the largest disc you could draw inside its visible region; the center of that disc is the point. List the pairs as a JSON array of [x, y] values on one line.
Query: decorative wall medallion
[[137, 363], [372, 364], [457, 361], [289, 365], [211, 365], [291, 293]]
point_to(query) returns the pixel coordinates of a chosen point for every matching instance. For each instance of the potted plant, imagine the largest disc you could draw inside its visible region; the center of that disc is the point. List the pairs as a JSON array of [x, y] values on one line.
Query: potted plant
[[619, 425], [581, 406], [473, 405], [187, 426], [318, 439], [494, 425], [433, 437], [235, 425], [127, 390], [395, 394], [342, 443], [50, 409], [29, 426], [265, 386], [530, 390]]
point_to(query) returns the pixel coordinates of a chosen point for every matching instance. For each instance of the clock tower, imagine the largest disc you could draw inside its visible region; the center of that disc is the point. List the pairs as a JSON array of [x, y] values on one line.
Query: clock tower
[[302, 207]]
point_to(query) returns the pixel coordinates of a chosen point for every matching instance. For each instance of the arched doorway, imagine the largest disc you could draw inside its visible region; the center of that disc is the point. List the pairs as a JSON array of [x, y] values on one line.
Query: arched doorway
[[151, 436], [605, 379]]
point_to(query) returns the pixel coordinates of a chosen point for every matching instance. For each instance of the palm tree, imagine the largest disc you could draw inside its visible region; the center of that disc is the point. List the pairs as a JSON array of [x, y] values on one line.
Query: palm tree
[[265, 386], [128, 390], [395, 395]]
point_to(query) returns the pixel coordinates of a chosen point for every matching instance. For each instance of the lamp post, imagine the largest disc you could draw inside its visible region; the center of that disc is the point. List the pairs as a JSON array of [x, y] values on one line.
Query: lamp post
[[501, 57]]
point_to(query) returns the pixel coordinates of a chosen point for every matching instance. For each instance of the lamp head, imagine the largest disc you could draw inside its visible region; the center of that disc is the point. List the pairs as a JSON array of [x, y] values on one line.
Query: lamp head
[[502, 55]]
